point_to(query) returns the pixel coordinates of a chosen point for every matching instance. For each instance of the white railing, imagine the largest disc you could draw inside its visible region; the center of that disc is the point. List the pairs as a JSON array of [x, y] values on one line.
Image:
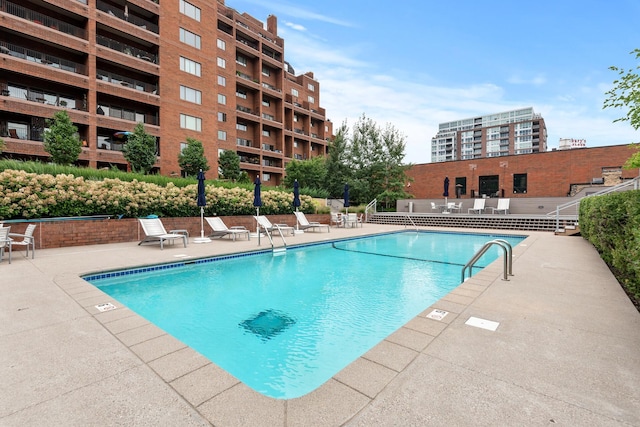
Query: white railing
[[373, 207]]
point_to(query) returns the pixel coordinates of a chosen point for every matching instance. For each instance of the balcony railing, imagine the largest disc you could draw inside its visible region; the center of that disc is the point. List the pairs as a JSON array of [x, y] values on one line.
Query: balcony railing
[[42, 58], [42, 96], [39, 18], [132, 19], [118, 79], [125, 48]]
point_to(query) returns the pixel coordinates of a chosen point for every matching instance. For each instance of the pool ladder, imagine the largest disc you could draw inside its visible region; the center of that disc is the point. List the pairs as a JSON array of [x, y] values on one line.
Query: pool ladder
[[508, 258], [276, 251]]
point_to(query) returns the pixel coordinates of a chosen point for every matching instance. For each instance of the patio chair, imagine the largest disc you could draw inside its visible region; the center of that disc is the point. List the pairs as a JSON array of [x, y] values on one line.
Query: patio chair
[[503, 206], [455, 207], [155, 232], [478, 206], [435, 207], [353, 220], [336, 219], [27, 240], [305, 224], [220, 229], [265, 224], [5, 242]]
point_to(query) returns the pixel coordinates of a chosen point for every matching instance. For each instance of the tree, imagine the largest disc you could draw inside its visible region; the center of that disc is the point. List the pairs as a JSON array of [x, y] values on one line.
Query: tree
[[140, 150], [192, 158], [61, 140], [337, 164], [309, 173], [229, 165], [626, 93]]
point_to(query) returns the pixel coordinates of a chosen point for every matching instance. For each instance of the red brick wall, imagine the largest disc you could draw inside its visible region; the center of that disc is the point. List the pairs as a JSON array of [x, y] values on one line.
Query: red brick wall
[[57, 234], [549, 174]]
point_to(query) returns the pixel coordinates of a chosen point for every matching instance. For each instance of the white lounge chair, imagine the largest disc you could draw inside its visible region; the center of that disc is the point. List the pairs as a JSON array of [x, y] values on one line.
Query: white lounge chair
[[155, 232], [27, 240], [478, 206], [265, 224], [5, 242], [503, 206], [305, 224], [220, 229]]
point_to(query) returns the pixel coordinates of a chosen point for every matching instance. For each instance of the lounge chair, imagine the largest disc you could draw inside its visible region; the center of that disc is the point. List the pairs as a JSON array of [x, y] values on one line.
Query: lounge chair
[[265, 224], [5, 242], [503, 206], [304, 224], [155, 232], [478, 206], [220, 229], [27, 240]]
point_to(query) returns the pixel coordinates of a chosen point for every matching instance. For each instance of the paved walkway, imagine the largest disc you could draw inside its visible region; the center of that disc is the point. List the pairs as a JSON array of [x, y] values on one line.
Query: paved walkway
[[566, 350]]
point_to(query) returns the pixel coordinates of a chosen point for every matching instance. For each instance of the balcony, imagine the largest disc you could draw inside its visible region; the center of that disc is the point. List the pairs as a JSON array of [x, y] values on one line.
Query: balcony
[[126, 49], [126, 16], [118, 79], [39, 18], [42, 58]]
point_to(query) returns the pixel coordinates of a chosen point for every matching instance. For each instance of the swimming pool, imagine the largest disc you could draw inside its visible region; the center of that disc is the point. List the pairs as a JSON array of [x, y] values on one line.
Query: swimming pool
[[284, 325]]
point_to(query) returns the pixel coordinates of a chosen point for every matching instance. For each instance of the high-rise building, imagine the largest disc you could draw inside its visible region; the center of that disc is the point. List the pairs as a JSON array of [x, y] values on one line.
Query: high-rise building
[[519, 131], [195, 68]]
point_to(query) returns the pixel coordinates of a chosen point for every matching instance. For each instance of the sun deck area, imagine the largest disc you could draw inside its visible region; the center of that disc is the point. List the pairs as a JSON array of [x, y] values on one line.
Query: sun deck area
[[556, 343]]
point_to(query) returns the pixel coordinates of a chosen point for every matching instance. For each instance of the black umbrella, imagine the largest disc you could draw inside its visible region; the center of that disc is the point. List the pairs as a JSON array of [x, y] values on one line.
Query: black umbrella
[[346, 197], [446, 189], [202, 202], [257, 202], [296, 194]]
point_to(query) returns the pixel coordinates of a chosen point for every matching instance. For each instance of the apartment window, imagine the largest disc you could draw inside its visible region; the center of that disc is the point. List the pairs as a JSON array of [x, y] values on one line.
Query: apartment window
[[222, 135], [241, 60], [222, 81], [241, 94], [190, 10], [222, 63], [311, 87], [295, 117], [222, 99], [189, 66], [190, 122], [189, 38], [183, 145], [266, 133], [295, 144], [191, 95], [266, 177], [520, 183], [222, 45], [460, 186], [222, 117], [266, 102], [294, 92], [266, 71], [311, 100], [241, 126]]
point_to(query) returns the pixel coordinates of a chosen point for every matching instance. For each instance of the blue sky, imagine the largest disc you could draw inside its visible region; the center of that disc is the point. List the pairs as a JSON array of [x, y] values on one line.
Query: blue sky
[[417, 63]]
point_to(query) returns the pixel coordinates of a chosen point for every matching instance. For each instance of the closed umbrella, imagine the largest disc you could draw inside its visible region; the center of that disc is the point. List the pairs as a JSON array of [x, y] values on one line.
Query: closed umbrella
[[446, 189], [202, 202], [257, 202], [296, 198]]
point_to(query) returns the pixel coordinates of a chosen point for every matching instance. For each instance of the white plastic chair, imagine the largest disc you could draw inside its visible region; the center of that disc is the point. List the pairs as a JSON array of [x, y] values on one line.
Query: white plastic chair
[[478, 206], [27, 240], [5, 242]]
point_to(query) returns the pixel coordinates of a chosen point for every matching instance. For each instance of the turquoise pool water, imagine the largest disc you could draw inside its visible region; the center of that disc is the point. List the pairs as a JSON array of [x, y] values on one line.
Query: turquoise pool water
[[285, 324]]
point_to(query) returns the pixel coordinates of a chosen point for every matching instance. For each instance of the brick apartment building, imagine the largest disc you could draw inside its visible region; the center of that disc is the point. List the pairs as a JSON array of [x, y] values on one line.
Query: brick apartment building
[[557, 173], [520, 131], [194, 69]]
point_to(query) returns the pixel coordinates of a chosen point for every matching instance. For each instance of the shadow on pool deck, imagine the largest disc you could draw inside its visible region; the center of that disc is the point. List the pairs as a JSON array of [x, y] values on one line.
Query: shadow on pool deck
[[565, 350]]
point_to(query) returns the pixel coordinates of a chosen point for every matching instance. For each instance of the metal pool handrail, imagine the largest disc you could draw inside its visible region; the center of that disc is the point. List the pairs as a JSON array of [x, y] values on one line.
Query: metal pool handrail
[[508, 261]]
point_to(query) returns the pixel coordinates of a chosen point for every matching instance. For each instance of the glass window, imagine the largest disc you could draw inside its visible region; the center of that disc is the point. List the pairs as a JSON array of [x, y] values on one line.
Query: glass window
[[266, 133], [222, 63], [489, 185], [520, 183], [311, 87], [266, 102], [191, 95], [460, 186], [294, 92], [222, 45], [266, 177], [222, 117], [222, 135], [241, 60], [189, 66], [190, 122], [241, 126], [222, 99], [222, 81], [311, 99], [190, 10], [189, 38], [266, 71], [241, 94]]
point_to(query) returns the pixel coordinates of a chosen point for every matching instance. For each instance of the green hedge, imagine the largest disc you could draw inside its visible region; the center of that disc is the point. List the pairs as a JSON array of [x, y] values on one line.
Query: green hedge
[[612, 224], [26, 195]]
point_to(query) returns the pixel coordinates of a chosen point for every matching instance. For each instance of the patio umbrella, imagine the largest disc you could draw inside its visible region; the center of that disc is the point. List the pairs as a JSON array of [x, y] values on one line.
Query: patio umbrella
[[346, 197], [446, 189], [296, 197], [202, 202], [122, 134], [257, 202]]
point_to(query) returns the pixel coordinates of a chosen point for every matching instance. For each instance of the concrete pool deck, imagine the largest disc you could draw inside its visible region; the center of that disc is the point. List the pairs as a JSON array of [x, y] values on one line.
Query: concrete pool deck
[[566, 349]]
